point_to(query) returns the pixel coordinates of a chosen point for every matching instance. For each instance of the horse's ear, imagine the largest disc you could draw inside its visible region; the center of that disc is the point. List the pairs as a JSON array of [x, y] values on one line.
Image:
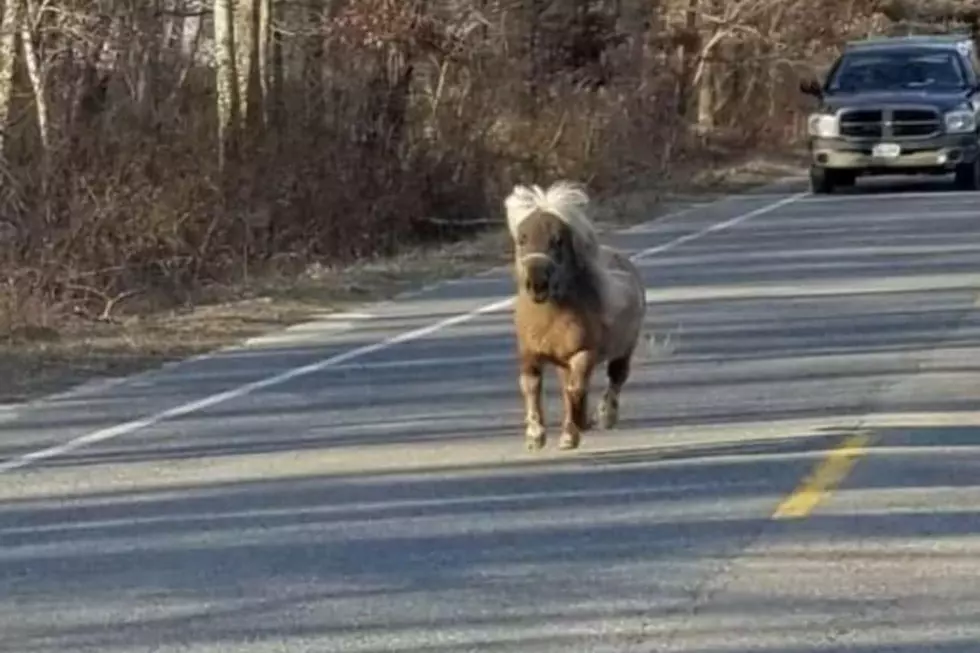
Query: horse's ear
[[574, 254]]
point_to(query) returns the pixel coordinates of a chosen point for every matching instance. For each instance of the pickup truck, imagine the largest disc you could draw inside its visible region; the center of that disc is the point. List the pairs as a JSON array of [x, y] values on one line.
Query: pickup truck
[[897, 105]]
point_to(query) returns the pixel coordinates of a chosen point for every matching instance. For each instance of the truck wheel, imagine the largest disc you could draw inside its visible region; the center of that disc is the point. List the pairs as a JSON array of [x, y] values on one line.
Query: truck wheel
[[968, 175], [821, 181]]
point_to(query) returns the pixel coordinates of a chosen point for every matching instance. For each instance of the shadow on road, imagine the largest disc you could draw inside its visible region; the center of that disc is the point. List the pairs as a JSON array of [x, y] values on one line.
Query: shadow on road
[[516, 552], [305, 557], [899, 184]]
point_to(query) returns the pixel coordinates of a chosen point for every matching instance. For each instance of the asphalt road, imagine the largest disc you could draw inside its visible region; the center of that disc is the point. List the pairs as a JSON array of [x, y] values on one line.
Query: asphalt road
[[347, 487]]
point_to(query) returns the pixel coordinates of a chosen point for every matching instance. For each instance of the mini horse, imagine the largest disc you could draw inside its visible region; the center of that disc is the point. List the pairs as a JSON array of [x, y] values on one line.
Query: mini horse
[[579, 304]]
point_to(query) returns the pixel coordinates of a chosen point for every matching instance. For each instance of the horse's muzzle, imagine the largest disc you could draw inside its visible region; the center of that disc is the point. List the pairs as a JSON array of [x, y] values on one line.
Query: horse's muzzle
[[537, 289], [538, 280]]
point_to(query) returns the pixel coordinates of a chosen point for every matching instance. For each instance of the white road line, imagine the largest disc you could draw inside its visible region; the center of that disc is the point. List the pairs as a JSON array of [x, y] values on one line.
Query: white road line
[[820, 288], [718, 226], [435, 361], [656, 223], [348, 315], [888, 217], [133, 426], [820, 254], [323, 326]]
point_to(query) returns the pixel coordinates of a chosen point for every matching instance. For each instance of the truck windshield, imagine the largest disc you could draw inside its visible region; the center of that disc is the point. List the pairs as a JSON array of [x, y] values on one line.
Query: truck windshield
[[898, 70]]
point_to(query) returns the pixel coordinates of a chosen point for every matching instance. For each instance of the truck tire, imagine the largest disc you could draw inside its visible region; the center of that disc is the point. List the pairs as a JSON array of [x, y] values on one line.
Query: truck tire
[[822, 181], [968, 175]]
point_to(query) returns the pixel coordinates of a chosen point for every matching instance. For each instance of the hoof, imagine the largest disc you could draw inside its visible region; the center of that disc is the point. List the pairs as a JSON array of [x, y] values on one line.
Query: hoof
[[607, 414], [569, 441], [534, 438], [534, 444]]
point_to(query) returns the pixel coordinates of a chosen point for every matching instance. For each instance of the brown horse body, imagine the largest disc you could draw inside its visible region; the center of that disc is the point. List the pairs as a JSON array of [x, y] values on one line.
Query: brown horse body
[[579, 305]]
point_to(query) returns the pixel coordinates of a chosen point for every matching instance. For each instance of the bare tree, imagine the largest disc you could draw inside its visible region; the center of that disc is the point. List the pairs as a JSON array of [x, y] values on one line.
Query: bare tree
[[247, 46], [225, 75], [10, 11], [36, 71], [378, 123]]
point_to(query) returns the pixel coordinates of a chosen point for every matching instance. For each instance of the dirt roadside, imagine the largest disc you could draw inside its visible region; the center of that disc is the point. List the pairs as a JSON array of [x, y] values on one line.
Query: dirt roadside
[[37, 362]]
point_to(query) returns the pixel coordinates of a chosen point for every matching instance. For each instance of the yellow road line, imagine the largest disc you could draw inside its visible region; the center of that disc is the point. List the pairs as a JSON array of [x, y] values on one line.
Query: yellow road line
[[824, 478]]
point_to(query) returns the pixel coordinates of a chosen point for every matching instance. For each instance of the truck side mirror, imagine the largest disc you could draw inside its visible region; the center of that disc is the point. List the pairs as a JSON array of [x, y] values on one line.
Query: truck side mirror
[[811, 87]]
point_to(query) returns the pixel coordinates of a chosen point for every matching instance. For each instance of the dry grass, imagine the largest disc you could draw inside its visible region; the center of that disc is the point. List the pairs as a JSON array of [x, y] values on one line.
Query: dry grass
[[391, 128], [39, 361]]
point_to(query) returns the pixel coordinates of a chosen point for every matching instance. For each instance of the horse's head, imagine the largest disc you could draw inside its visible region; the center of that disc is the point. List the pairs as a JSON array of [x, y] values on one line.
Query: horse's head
[[544, 253], [553, 239]]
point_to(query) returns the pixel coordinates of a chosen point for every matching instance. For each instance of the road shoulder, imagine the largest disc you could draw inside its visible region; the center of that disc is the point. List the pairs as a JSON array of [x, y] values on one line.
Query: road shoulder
[[39, 362]]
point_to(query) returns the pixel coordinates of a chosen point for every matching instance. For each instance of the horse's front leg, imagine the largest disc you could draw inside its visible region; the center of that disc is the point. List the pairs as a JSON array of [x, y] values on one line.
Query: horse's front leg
[[534, 434], [575, 398]]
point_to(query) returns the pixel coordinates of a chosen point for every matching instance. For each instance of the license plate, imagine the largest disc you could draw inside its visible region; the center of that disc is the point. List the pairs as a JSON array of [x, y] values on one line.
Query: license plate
[[886, 151]]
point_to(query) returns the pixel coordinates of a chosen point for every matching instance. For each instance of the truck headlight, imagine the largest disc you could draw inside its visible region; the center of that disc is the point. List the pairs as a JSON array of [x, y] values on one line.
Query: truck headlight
[[823, 125], [960, 121]]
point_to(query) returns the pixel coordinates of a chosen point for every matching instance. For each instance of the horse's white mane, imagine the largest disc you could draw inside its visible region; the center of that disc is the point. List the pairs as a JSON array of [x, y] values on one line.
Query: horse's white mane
[[569, 202], [566, 200]]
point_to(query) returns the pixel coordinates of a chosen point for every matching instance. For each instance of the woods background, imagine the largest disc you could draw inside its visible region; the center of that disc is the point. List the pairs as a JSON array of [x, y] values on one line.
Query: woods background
[[149, 147]]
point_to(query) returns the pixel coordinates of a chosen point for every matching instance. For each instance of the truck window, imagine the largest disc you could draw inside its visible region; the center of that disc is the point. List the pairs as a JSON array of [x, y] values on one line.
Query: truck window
[[899, 70]]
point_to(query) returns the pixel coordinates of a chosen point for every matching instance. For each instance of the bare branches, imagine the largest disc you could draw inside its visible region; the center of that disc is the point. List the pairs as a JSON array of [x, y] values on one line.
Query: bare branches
[[932, 10], [361, 126]]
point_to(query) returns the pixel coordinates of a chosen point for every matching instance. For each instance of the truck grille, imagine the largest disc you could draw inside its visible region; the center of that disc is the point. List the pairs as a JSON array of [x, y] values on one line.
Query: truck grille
[[890, 123]]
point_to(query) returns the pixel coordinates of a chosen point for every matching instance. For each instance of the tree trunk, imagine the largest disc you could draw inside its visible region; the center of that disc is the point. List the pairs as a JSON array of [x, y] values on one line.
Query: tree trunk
[[277, 70], [190, 34], [11, 10], [227, 90], [36, 74], [706, 96], [686, 53], [248, 50], [264, 52]]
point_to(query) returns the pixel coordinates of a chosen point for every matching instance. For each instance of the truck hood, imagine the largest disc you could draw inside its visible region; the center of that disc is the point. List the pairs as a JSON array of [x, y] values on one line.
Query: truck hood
[[943, 101]]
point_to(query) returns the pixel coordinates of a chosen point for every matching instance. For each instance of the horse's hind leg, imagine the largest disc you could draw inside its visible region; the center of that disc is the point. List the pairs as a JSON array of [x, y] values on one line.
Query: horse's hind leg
[[534, 434], [618, 371]]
